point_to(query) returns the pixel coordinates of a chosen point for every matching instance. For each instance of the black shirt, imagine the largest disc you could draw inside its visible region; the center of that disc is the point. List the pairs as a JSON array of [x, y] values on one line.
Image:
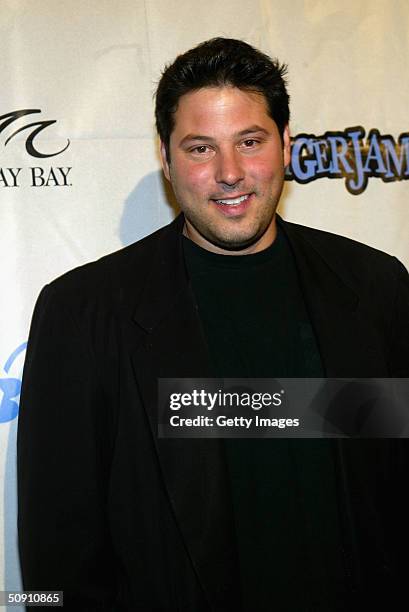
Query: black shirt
[[283, 490]]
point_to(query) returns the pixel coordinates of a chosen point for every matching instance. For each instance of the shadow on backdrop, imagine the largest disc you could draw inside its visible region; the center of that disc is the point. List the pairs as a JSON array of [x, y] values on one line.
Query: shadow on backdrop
[[148, 207], [285, 195]]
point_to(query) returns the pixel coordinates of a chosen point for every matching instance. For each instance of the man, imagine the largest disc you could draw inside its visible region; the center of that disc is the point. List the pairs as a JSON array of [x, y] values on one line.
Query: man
[[122, 520]]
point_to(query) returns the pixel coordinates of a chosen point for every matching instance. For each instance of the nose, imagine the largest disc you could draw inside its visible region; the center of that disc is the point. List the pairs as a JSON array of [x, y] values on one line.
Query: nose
[[229, 170]]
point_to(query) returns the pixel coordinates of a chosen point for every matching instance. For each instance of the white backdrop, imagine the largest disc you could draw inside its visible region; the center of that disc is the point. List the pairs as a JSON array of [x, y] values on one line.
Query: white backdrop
[[92, 67]]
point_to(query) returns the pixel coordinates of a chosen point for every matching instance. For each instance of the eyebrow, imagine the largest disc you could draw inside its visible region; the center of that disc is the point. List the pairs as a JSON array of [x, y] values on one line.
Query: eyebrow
[[202, 138]]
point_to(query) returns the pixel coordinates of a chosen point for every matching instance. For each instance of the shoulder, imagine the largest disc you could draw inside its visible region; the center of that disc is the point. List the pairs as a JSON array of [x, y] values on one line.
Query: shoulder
[[349, 258], [113, 274], [333, 243]]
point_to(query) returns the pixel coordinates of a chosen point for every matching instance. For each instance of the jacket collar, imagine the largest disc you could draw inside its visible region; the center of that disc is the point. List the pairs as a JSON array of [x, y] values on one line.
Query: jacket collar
[[320, 269], [348, 343], [167, 279], [331, 299]]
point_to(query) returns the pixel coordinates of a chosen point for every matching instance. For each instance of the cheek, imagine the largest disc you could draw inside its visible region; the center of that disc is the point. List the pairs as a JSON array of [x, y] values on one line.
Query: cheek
[[197, 178], [266, 170]]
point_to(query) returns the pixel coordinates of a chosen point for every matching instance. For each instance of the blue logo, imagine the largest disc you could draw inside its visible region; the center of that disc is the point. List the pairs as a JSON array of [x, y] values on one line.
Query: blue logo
[[10, 388], [346, 155]]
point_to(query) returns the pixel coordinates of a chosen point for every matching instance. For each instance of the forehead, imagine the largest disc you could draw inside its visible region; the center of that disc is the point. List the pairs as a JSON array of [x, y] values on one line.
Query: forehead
[[220, 110]]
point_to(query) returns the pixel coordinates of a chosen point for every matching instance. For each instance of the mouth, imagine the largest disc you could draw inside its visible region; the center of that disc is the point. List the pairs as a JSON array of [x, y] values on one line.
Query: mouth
[[235, 206], [233, 201]]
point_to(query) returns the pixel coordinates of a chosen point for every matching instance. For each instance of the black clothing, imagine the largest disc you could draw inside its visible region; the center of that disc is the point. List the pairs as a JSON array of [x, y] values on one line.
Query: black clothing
[[122, 520], [283, 491], [253, 312]]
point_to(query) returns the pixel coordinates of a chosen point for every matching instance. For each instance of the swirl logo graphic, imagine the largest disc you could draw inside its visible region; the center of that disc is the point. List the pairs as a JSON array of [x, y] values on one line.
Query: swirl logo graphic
[[36, 127], [10, 388]]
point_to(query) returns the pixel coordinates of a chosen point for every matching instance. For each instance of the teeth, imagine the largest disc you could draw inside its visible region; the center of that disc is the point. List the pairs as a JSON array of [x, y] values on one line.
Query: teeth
[[233, 202]]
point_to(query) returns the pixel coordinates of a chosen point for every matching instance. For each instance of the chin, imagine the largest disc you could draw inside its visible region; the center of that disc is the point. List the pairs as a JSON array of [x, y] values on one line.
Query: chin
[[234, 243]]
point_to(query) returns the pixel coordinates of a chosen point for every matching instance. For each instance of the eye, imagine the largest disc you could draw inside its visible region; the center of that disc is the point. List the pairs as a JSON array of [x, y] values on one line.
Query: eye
[[200, 149], [250, 142]]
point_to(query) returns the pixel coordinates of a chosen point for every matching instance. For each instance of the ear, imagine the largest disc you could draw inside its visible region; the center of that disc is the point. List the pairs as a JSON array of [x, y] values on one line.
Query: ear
[[286, 146], [164, 160]]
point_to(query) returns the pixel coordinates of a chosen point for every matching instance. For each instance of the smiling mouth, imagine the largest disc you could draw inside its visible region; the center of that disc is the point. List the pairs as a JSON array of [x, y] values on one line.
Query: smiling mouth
[[233, 201]]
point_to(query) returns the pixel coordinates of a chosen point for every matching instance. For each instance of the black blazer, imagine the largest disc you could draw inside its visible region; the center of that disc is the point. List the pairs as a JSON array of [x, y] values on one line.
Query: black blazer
[[119, 519]]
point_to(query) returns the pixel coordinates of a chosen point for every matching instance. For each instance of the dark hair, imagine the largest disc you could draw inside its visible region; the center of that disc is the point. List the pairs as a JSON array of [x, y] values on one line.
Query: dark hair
[[218, 62]]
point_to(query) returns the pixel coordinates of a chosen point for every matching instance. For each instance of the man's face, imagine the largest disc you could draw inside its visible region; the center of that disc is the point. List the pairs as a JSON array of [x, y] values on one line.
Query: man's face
[[226, 167]]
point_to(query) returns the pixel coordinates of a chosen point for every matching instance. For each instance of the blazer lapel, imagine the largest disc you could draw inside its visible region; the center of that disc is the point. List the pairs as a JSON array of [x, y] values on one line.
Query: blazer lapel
[[347, 340], [194, 470]]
